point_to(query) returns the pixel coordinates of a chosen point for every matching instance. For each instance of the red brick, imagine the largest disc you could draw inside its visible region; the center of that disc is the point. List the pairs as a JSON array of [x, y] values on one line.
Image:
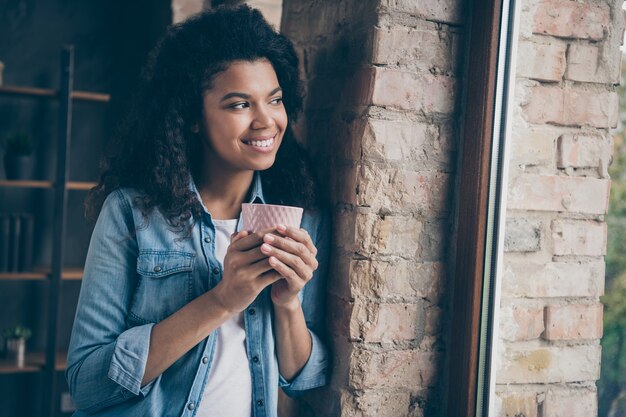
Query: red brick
[[553, 279], [396, 190], [429, 146], [572, 19], [541, 59], [579, 237], [389, 235], [396, 278], [573, 321], [381, 322], [426, 93], [182, 9], [533, 146], [571, 107], [424, 48], [394, 369], [360, 230], [583, 151], [532, 364], [570, 403], [520, 321], [559, 193], [512, 403], [544, 105], [593, 108], [373, 403], [447, 11], [595, 63]]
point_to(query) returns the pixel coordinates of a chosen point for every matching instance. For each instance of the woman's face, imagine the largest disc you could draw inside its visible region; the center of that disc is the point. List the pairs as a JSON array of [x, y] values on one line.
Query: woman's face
[[243, 117]]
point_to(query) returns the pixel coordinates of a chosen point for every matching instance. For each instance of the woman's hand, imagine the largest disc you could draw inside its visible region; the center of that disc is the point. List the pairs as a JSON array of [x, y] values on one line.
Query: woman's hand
[[247, 272], [293, 257]]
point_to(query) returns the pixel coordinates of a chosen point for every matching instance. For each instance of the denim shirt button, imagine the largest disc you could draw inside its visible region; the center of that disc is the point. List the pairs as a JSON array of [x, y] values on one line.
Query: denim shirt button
[[157, 269], [191, 406], [207, 239], [259, 403], [251, 312], [205, 360], [216, 271], [255, 359]]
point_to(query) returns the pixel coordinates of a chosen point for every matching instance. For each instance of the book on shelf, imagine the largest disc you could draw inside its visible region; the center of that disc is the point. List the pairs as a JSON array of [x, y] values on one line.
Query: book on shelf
[[26, 243], [14, 242], [5, 231]]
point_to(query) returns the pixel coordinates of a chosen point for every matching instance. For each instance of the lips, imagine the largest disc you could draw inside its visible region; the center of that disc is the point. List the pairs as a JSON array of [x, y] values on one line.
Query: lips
[[259, 138], [261, 142]]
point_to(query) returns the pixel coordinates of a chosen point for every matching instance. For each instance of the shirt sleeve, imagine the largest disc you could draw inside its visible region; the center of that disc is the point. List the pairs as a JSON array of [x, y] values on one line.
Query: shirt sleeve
[[106, 360], [315, 372]]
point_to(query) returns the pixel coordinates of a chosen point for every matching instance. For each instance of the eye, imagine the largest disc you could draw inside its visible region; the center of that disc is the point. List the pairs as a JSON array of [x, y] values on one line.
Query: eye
[[239, 105], [277, 100]]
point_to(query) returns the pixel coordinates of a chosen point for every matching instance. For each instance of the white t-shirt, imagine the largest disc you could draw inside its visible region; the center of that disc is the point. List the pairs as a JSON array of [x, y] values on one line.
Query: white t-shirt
[[228, 390]]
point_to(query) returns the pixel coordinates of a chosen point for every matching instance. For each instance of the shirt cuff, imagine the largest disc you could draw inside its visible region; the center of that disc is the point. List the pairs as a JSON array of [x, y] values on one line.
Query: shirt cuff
[[312, 375], [130, 355]]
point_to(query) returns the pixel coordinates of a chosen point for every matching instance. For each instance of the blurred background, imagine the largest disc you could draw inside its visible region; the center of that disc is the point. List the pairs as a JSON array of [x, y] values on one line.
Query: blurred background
[[612, 383]]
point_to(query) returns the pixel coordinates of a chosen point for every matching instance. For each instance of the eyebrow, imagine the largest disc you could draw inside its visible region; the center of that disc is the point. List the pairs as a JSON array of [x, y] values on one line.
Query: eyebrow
[[246, 96]]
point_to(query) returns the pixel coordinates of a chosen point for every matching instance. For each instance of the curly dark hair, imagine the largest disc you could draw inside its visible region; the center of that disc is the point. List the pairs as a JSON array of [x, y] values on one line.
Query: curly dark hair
[[155, 151]]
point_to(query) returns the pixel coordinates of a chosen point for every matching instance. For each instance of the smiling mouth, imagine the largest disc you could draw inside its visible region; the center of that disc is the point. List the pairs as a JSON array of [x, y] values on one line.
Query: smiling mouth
[[265, 143]]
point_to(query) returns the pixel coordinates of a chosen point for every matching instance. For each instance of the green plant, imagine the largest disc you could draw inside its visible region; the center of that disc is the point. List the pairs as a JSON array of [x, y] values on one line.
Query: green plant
[[18, 143], [17, 332]]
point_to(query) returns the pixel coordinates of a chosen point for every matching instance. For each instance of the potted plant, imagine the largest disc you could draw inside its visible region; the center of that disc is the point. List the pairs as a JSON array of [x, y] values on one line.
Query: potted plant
[[15, 339], [18, 156]]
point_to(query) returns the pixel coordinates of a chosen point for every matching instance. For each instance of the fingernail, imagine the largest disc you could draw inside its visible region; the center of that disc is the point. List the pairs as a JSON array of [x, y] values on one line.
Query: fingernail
[[281, 227], [270, 238], [266, 247]]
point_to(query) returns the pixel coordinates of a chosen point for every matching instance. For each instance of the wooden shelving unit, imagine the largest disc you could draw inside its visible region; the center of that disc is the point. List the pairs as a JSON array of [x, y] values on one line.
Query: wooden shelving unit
[[53, 94], [41, 274], [71, 185], [50, 362], [34, 362]]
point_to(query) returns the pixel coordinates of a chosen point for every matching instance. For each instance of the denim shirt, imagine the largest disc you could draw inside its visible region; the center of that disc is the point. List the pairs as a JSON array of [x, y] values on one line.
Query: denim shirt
[[133, 281]]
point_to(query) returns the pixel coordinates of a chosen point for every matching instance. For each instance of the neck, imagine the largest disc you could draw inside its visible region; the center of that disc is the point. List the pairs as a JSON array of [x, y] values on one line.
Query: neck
[[222, 190]]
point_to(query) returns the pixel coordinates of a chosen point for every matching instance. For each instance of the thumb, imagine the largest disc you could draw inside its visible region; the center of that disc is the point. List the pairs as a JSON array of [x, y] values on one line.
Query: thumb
[[238, 235]]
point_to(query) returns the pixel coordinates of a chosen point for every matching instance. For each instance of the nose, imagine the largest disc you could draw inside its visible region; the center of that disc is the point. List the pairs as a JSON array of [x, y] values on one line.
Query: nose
[[263, 118]]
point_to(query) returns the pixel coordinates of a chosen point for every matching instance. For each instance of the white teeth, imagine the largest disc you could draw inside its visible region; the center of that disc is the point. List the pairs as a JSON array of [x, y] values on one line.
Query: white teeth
[[262, 143]]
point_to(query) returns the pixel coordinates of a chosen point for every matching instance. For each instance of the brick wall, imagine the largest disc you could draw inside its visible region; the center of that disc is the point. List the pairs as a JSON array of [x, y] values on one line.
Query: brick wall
[[382, 122], [551, 316], [383, 79]]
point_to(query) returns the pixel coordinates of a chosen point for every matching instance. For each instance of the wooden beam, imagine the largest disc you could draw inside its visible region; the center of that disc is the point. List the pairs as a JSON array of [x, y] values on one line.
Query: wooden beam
[[473, 198]]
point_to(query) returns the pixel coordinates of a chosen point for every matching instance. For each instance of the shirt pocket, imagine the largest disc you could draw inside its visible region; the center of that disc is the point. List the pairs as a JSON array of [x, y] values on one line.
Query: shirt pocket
[[165, 284]]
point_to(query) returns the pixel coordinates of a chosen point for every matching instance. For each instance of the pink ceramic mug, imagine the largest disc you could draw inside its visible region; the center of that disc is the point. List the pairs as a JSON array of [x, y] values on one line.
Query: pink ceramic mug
[[263, 216]]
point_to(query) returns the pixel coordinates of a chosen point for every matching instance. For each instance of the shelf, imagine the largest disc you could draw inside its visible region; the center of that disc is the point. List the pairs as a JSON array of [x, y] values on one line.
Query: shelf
[[72, 185], [23, 276], [34, 363], [49, 93], [25, 184], [69, 274], [76, 185]]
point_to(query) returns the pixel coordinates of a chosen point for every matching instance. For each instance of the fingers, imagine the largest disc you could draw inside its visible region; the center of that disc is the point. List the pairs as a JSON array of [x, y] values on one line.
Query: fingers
[[238, 235], [299, 235], [295, 280], [252, 240], [269, 277], [295, 263], [260, 267], [293, 247]]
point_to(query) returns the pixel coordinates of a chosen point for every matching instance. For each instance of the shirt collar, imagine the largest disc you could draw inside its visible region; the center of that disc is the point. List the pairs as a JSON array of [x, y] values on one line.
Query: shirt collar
[[256, 190]]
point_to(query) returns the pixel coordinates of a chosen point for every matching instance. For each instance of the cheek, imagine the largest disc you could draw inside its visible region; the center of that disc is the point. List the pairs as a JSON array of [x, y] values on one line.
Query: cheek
[[222, 132], [282, 120]]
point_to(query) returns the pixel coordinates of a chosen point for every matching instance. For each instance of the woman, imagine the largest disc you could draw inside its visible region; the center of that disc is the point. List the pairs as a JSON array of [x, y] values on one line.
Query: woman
[[181, 311]]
